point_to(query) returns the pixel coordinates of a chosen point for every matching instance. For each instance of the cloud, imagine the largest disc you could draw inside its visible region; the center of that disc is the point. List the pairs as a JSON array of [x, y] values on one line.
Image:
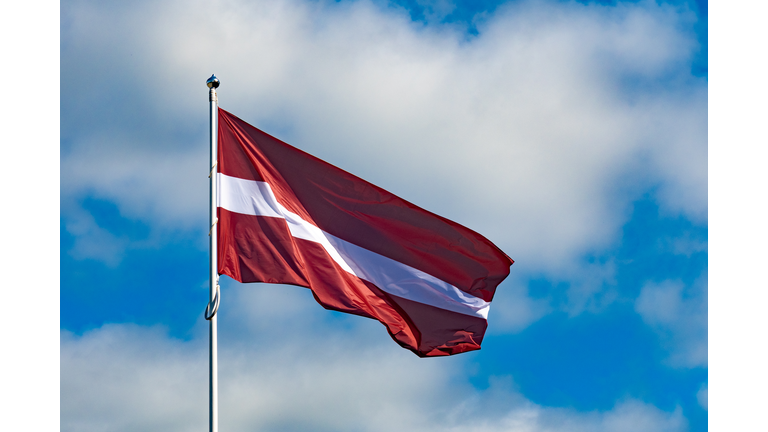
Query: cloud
[[297, 371], [93, 241], [678, 313], [142, 181], [536, 132], [702, 396], [514, 309]]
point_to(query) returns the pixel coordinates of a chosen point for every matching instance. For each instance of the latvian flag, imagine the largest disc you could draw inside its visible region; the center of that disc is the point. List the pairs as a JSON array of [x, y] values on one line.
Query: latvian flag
[[286, 217]]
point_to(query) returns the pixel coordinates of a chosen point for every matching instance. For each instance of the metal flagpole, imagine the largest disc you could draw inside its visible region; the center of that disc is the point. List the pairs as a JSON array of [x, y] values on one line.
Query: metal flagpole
[[215, 292]]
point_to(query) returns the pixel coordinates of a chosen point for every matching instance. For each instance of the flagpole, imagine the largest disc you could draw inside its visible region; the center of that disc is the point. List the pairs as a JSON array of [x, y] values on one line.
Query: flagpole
[[213, 305]]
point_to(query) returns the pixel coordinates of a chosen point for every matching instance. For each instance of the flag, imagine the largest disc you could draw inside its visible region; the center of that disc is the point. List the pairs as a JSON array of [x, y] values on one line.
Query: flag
[[287, 217]]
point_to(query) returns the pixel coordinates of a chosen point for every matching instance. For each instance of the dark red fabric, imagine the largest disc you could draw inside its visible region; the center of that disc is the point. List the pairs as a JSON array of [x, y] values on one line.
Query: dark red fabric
[[354, 210], [441, 332], [258, 249], [261, 249]]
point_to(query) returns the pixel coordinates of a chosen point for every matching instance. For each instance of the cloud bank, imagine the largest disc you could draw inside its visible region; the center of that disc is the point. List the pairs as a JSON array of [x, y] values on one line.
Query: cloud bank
[[295, 371], [537, 132]]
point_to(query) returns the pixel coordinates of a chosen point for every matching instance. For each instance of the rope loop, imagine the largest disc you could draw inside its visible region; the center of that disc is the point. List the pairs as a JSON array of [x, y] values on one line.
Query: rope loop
[[213, 306], [212, 168], [214, 224]]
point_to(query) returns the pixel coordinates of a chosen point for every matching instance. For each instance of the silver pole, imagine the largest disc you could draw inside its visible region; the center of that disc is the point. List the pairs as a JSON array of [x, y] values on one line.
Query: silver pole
[[213, 413]]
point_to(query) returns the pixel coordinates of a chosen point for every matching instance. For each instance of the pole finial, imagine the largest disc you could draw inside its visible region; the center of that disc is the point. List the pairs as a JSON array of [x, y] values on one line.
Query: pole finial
[[213, 82]]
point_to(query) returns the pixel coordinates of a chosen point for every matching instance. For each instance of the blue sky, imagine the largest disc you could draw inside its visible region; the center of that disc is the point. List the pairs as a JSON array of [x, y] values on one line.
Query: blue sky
[[572, 134]]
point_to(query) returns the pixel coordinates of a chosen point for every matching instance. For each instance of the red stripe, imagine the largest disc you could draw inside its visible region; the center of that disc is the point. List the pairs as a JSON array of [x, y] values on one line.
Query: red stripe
[[443, 332], [236, 155], [258, 249], [354, 210], [261, 249]]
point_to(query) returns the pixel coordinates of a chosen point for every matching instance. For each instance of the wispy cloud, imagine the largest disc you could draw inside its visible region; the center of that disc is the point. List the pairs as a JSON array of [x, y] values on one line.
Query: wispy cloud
[[93, 241], [678, 313], [703, 396]]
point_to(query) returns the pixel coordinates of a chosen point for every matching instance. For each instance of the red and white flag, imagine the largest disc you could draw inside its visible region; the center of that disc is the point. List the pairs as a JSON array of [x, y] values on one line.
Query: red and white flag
[[287, 217]]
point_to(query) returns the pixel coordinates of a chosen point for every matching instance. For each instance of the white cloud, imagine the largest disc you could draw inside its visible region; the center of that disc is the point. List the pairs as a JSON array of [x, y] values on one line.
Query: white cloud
[[306, 375], [514, 309], [126, 377], [93, 241], [141, 180], [702, 396], [679, 315]]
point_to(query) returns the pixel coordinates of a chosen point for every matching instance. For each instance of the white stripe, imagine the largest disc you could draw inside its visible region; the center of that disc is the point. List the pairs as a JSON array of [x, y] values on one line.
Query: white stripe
[[257, 199]]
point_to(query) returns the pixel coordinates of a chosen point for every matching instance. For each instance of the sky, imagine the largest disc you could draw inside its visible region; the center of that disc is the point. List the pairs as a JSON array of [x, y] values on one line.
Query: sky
[[572, 134]]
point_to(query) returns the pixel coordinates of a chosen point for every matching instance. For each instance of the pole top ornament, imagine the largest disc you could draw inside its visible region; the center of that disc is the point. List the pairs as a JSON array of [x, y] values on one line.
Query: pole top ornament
[[212, 82]]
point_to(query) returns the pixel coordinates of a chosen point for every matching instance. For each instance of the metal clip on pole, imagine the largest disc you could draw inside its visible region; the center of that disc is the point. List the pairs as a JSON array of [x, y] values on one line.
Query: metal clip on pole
[[213, 306]]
